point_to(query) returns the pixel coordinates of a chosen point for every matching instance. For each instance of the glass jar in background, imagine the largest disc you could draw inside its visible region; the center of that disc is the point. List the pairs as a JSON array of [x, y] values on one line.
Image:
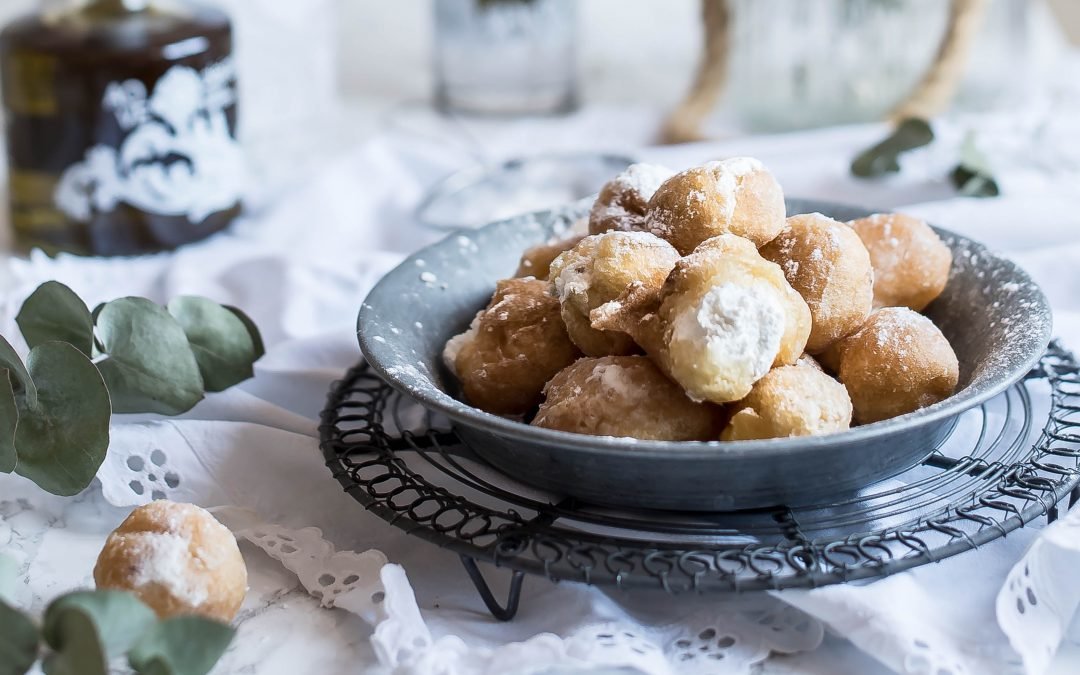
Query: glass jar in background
[[121, 125], [819, 62], [505, 57]]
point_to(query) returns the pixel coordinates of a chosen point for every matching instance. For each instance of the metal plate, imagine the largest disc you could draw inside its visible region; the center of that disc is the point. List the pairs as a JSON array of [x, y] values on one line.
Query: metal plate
[[1008, 464], [997, 319]]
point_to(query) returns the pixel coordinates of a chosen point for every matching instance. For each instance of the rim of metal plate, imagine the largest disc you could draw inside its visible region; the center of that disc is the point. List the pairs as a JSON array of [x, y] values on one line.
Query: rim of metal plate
[[951, 503]]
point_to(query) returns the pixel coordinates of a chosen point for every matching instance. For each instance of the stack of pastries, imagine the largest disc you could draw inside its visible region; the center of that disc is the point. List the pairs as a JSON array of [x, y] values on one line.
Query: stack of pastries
[[695, 309]]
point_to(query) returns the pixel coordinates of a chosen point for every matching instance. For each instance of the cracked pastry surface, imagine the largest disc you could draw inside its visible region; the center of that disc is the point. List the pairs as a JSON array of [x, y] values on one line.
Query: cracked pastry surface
[[724, 320], [596, 273]]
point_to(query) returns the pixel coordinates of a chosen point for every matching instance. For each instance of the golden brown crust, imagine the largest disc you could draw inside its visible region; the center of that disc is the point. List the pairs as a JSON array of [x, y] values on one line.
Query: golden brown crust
[[177, 559], [911, 263], [624, 396], [896, 363], [737, 196], [591, 280], [798, 400], [536, 260], [826, 262], [512, 349]]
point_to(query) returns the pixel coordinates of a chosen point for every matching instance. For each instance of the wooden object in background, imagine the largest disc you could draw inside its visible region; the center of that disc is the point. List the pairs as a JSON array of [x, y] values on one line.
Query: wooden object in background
[[930, 97]]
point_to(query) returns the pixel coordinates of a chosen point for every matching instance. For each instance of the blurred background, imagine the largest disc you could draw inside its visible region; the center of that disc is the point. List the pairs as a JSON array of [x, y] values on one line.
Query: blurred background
[[318, 77]]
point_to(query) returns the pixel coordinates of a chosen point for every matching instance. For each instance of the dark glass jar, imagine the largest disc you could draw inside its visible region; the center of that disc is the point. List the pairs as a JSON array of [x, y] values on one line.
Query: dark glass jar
[[121, 125]]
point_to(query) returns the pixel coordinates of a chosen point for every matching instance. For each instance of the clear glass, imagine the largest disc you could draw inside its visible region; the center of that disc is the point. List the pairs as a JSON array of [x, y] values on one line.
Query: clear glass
[[509, 57], [818, 62]]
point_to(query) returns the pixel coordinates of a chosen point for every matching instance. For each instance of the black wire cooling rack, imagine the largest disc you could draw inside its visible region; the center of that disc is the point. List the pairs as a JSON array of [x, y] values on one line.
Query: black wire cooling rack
[[1008, 463]]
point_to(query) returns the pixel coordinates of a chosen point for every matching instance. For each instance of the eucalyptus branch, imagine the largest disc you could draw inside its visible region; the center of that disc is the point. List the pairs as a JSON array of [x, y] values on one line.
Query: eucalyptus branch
[[84, 631], [127, 356]]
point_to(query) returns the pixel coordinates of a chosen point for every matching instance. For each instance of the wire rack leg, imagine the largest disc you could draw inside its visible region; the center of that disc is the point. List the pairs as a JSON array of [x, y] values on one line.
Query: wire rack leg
[[513, 597]]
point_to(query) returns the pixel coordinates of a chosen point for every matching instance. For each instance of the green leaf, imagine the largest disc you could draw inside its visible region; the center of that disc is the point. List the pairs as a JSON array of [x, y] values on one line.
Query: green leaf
[[15, 383], [973, 177], [9, 572], [20, 379], [253, 330], [220, 340], [883, 158], [971, 184], [54, 312], [184, 645], [87, 628], [9, 421], [62, 437], [149, 366], [18, 641]]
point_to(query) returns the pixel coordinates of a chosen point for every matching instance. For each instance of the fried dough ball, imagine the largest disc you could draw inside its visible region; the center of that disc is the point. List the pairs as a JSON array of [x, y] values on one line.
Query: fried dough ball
[[736, 195], [798, 400], [826, 262], [177, 559], [536, 260], [729, 244], [597, 272], [624, 396], [623, 200], [896, 363], [511, 349], [911, 263], [723, 322]]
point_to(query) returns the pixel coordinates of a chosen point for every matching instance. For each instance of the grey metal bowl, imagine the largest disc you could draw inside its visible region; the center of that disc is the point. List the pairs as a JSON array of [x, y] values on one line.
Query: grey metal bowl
[[996, 317]]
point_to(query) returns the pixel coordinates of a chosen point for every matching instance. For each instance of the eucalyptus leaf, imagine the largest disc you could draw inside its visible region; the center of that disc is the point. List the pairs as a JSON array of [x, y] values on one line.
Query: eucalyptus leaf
[[54, 312], [220, 340], [149, 365], [973, 177], [18, 641], [20, 378], [9, 421], [973, 184], [87, 628], [97, 350], [253, 330], [883, 158], [184, 645], [9, 572], [62, 437]]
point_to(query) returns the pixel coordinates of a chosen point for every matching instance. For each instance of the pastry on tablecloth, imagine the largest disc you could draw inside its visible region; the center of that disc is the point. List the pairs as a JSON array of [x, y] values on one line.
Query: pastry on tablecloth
[[178, 559]]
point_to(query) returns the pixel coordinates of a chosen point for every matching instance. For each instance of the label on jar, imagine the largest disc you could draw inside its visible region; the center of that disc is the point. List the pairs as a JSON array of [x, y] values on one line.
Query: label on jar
[[177, 156]]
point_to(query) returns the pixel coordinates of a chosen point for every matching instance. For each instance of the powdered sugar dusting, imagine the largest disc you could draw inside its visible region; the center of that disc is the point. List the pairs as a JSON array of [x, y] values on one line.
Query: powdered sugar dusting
[[644, 179], [615, 378], [635, 238], [740, 166], [895, 328], [737, 325], [164, 559], [729, 174]]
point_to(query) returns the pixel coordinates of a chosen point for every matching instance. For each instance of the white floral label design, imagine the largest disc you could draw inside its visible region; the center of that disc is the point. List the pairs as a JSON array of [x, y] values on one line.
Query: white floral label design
[[178, 156]]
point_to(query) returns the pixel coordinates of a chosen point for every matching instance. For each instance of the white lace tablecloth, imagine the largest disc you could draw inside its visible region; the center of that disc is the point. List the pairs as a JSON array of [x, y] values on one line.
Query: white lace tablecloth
[[335, 589]]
